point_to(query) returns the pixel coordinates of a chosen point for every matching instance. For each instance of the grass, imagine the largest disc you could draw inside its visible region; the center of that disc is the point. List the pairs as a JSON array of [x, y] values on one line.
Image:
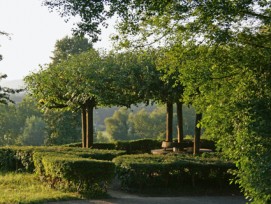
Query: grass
[[26, 188]]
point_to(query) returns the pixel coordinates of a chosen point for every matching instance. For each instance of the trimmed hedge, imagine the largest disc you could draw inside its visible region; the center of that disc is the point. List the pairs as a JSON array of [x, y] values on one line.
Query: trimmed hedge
[[138, 146], [18, 158], [142, 146], [63, 171], [140, 172]]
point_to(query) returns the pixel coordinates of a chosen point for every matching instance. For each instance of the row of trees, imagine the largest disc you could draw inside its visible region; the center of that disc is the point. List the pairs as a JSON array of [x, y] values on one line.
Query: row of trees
[[220, 52], [84, 79]]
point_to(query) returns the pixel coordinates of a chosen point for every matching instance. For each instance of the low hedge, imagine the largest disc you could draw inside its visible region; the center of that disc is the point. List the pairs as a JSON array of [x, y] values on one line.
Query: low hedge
[[17, 158], [66, 172], [111, 146], [142, 146], [138, 146], [140, 172]]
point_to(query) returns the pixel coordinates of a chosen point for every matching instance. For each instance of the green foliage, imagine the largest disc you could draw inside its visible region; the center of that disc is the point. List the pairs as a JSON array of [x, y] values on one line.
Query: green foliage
[[117, 125], [220, 51], [138, 146], [139, 172], [68, 46], [34, 132], [14, 121], [17, 158], [62, 127], [86, 176], [149, 125], [144, 123]]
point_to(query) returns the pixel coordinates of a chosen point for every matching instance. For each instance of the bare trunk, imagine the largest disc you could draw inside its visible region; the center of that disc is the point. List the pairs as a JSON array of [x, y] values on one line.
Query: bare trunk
[[197, 135], [180, 121], [169, 130], [90, 127], [84, 127]]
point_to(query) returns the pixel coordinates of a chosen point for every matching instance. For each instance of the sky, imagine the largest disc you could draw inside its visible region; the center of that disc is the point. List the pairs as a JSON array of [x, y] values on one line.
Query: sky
[[33, 33]]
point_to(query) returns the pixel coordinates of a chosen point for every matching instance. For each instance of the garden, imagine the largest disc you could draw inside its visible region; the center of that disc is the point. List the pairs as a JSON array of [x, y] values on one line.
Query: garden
[[39, 174]]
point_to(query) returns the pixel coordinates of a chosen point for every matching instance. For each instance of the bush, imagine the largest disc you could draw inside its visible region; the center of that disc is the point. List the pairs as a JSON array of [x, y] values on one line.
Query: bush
[[63, 171], [16, 159], [111, 146], [138, 146], [139, 172], [21, 158]]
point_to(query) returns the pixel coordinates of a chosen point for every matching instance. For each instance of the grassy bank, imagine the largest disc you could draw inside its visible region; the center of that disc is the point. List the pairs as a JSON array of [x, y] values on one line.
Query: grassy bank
[[26, 188]]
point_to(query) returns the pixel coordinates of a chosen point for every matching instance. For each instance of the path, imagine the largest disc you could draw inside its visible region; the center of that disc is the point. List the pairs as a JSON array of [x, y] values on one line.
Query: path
[[119, 197]]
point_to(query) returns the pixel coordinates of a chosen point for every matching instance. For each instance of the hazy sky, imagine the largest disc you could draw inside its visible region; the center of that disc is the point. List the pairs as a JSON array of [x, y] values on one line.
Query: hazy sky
[[34, 31]]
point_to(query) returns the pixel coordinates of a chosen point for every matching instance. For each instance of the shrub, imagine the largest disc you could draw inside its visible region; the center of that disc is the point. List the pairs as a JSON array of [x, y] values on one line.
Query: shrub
[[110, 146], [138, 172], [16, 159], [63, 171], [138, 146]]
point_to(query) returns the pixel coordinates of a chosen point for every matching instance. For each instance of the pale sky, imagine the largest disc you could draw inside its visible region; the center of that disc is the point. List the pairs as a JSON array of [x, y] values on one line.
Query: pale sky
[[34, 32]]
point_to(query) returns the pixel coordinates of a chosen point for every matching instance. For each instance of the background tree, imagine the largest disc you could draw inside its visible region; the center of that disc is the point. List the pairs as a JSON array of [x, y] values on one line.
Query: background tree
[[149, 124], [68, 46], [34, 132], [63, 127], [117, 126]]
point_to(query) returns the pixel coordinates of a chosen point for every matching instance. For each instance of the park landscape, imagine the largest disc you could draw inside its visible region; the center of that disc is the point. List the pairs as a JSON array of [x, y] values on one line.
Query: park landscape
[[191, 79]]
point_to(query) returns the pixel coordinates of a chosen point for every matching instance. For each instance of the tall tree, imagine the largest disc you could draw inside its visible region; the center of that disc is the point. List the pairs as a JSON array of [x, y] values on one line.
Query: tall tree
[[70, 84]]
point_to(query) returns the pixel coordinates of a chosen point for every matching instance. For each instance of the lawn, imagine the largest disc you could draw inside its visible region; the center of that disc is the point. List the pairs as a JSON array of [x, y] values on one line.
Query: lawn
[[26, 188]]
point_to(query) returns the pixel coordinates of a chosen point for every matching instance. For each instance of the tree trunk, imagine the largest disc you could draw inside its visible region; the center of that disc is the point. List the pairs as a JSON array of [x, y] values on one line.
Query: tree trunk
[[180, 121], [197, 135], [90, 127], [169, 129], [84, 127]]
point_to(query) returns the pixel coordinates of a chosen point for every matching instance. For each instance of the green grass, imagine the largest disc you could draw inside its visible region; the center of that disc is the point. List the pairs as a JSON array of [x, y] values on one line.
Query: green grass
[[26, 188]]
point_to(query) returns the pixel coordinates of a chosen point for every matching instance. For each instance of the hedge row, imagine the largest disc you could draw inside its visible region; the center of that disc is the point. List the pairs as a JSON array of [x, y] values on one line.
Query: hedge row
[[21, 158], [144, 145], [87, 171], [64, 171], [140, 172]]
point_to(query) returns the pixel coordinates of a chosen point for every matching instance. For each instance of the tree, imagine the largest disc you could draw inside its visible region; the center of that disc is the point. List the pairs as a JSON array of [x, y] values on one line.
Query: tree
[[117, 126], [70, 84], [60, 92], [149, 124], [68, 46], [13, 119], [34, 132], [63, 127]]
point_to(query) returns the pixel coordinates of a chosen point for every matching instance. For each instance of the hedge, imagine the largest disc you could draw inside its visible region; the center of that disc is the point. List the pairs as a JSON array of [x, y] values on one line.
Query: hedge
[[16, 158], [142, 146], [139, 172], [66, 172]]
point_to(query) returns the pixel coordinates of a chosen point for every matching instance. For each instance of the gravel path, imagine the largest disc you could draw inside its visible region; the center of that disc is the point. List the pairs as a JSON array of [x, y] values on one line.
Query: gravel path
[[119, 197]]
